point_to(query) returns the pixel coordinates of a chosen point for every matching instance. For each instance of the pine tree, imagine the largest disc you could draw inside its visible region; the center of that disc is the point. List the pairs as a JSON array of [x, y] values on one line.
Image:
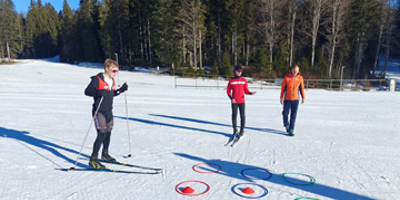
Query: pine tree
[[362, 17], [42, 25], [88, 35], [166, 46], [9, 30], [227, 69]]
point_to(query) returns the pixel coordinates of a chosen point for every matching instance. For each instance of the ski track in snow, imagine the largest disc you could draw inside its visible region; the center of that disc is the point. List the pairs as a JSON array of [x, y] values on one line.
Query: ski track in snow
[[348, 141]]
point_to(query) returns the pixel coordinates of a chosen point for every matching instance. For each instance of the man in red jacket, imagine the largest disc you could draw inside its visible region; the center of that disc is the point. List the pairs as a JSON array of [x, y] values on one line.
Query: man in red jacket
[[237, 87], [292, 85]]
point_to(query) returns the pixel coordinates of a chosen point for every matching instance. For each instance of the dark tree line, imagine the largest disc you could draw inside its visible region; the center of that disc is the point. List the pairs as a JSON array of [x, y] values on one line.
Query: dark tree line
[[267, 36]]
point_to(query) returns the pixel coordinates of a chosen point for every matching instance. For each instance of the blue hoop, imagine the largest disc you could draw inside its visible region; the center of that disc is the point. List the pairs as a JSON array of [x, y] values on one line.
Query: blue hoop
[[263, 195], [259, 169]]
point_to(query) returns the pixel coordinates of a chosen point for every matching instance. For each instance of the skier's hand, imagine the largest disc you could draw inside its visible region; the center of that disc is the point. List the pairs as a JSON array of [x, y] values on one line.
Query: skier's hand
[[303, 100], [233, 101], [123, 88], [253, 93], [281, 101]]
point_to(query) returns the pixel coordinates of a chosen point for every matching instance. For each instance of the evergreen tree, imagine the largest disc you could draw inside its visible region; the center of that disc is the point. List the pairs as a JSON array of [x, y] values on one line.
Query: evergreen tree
[[10, 29], [42, 25], [227, 70], [88, 35], [165, 25], [114, 32], [359, 28]]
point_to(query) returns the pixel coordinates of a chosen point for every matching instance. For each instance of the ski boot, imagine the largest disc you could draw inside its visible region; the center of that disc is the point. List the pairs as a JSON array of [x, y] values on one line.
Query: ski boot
[[107, 158], [94, 162]]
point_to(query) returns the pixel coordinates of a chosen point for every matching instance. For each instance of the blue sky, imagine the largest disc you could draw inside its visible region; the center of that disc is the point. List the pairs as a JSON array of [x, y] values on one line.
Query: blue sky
[[23, 5]]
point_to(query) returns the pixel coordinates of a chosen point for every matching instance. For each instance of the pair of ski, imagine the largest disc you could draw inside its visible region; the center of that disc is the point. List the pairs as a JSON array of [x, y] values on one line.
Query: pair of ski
[[142, 169], [233, 139]]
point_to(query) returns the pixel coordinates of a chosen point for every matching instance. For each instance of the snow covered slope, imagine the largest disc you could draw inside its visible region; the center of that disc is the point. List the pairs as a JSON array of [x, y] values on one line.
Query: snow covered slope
[[347, 141]]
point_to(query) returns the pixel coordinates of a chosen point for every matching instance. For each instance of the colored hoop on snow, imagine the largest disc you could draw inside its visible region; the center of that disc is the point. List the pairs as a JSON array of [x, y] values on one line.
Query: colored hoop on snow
[[211, 172], [258, 169], [177, 188], [312, 179], [308, 198], [257, 197]]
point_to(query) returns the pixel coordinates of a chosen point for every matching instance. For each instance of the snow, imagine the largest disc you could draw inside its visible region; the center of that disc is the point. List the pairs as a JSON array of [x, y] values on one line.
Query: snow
[[347, 141]]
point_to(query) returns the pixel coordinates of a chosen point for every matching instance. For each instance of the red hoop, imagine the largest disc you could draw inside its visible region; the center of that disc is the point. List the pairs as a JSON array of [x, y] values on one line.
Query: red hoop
[[177, 190], [194, 168]]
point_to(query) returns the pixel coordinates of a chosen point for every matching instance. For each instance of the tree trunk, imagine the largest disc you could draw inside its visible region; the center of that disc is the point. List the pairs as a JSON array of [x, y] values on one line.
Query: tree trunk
[[8, 53], [183, 45], [389, 36], [141, 39], [333, 40], [201, 54], [315, 26], [219, 41], [121, 44], [235, 48], [292, 25], [272, 35], [148, 31], [360, 48], [247, 50]]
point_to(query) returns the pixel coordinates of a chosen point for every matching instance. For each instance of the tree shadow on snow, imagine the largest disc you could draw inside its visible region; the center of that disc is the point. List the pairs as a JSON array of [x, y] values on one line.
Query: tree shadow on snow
[[25, 139], [145, 121], [268, 130], [234, 170]]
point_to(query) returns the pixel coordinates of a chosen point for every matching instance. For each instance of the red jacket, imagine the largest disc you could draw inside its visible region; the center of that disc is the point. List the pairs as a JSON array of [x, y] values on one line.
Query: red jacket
[[238, 86], [291, 86]]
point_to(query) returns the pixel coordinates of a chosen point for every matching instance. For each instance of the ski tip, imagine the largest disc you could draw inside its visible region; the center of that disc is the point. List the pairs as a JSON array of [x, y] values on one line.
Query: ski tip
[[72, 168], [130, 155]]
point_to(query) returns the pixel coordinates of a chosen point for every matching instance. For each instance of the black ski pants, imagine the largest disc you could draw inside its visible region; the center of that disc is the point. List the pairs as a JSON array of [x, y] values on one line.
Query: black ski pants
[[104, 122], [241, 107]]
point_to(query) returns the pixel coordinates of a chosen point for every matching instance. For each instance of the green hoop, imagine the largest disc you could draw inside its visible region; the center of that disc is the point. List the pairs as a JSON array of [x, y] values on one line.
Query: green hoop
[[306, 184]]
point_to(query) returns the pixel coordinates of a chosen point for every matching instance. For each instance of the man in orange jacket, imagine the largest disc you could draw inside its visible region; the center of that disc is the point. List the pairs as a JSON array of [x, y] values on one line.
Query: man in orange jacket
[[291, 87]]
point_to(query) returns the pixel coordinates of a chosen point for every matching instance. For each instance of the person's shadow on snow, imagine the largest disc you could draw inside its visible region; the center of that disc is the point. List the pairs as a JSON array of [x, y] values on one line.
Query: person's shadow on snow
[[25, 139], [235, 170], [266, 130]]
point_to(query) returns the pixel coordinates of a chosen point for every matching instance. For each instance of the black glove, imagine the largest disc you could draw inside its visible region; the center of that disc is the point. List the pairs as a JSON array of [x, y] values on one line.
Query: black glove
[[123, 88], [101, 93]]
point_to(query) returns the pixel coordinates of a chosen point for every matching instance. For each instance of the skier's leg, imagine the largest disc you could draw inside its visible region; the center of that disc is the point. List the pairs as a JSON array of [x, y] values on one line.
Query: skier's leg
[[293, 113], [101, 127], [106, 143], [234, 117], [285, 113], [242, 117]]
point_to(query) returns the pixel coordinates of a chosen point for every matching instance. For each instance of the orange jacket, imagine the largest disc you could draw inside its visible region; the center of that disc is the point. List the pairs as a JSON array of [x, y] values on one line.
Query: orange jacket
[[291, 86]]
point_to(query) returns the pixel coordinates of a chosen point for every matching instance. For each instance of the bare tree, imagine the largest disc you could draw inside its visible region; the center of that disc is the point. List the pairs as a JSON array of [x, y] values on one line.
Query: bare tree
[[381, 26], [318, 8], [268, 12], [389, 26], [292, 4], [339, 9], [191, 18]]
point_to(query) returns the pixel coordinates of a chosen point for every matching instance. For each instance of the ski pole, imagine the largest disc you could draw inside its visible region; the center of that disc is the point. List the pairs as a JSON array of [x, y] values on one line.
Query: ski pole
[[127, 118], [127, 123], [84, 141]]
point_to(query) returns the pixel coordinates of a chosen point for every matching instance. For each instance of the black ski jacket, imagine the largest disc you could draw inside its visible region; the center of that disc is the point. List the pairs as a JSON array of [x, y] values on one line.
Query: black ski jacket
[[98, 86]]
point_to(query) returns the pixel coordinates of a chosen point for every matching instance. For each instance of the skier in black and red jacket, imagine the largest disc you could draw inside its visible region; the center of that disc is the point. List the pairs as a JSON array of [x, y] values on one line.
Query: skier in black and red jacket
[[238, 86], [102, 88]]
